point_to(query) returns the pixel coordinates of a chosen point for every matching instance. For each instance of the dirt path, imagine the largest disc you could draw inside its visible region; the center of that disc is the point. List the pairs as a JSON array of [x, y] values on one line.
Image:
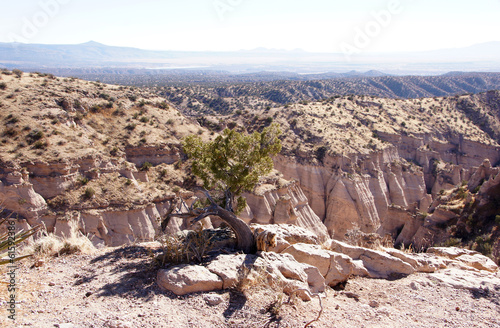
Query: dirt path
[[116, 288]]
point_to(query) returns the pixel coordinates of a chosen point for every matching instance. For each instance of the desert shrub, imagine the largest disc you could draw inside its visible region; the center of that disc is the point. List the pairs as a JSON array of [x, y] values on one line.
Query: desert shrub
[[40, 144], [3, 85], [17, 72], [95, 108], [451, 242], [356, 237], [10, 132], [146, 166], [11, 119], [321, 153], [104, 96], [52, 245], [162, 105], [130, 126], [34, 135], [483, 244], [83, 181], [462, 193], [89, 192], [185, 248]]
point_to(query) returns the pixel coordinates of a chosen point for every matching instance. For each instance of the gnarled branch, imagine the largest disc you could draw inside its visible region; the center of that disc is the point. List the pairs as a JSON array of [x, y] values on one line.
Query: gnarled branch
[[244, 236]]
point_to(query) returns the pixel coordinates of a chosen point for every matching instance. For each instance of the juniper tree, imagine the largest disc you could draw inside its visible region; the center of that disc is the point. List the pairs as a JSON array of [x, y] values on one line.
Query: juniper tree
[[228, 166]]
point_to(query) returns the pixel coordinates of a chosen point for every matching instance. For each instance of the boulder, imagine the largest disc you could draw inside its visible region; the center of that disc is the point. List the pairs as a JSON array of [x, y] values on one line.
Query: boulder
[[288, 233], [290, 268], [341, 268], [450, 252], [312, 255], [185, 279], [379, 264], [280, 270], [421, 262], [476, 281], [230, 267], [334, 267], [478, 261]]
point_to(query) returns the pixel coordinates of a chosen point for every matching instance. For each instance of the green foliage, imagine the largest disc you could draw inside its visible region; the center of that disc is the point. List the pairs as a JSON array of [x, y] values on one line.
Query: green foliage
[[33, 136], [483, 244], [114, 151], [7, 242], [130, 126], [451, 242], [40, 144], [162, 105], [89, 192], [83, 180], [462, 193], [146, 166], [233, 162]]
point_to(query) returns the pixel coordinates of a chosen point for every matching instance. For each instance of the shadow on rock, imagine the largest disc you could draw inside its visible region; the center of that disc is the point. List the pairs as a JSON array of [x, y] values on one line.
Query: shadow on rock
[[492, 295]]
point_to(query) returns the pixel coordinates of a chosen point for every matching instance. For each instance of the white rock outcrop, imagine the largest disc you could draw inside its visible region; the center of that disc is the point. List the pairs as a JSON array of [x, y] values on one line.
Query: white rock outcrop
[[185, 279]]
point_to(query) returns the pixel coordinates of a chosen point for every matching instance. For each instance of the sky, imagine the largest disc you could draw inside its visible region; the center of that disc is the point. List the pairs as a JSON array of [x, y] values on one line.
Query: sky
[[229, 25]]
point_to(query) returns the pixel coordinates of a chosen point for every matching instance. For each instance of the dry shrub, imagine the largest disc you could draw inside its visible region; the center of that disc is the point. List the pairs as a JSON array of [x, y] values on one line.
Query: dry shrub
[[52, 245], [356, 237], [185, 248]]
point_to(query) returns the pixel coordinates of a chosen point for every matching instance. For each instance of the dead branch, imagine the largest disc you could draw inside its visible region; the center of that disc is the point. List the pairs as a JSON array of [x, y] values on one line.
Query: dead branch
[[310, 294]]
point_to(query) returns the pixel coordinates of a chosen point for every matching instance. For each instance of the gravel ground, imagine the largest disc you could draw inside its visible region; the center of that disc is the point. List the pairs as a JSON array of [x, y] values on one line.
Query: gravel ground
[[116, 288]]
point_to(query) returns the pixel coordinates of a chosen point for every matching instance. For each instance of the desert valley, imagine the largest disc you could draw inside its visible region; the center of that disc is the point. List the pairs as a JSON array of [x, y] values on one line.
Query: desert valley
[[249, 164]]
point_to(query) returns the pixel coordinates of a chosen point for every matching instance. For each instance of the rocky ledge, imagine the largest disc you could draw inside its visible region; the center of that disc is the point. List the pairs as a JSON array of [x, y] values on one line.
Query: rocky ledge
[[291, 258]]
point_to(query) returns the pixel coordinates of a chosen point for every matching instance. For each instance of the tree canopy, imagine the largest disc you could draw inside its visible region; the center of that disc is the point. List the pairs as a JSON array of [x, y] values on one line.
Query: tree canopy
[[233, 162]]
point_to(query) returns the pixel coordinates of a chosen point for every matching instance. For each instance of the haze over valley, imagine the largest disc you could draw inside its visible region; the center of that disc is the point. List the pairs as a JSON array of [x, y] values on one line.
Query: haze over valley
[[250, 163]]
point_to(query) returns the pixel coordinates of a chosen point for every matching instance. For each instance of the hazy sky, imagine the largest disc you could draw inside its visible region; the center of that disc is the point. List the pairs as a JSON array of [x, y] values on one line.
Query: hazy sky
[[313, 25]]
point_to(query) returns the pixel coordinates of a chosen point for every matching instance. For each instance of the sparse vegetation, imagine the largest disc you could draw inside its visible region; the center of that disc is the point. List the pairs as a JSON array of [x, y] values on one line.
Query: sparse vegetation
[[146, 166], [89, 192]]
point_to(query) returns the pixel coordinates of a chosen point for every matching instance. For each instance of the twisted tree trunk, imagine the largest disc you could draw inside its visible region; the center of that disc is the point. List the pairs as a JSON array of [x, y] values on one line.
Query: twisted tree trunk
[[244, 236]]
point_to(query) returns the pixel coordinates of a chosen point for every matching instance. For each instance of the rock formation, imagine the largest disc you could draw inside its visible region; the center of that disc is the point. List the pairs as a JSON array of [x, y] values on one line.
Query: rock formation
[[313, 267]]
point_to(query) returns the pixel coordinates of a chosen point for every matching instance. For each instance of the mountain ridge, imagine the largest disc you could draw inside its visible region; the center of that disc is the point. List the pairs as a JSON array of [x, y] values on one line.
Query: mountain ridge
[[482, 57]]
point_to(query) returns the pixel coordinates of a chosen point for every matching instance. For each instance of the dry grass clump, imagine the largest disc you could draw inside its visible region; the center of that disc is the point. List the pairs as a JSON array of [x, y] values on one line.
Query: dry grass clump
[[191, 247], [52, 245]]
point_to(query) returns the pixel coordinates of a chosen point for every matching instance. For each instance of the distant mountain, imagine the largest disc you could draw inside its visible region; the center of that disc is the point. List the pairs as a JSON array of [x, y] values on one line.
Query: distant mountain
[[480, 57], [213, 98], [85, 54]]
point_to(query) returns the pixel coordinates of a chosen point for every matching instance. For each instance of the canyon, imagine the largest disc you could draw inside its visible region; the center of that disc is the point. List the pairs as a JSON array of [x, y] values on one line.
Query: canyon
[[389, 178]]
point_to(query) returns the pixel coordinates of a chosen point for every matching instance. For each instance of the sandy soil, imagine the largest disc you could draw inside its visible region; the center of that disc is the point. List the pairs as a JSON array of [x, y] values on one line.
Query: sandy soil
[[116, 288]]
